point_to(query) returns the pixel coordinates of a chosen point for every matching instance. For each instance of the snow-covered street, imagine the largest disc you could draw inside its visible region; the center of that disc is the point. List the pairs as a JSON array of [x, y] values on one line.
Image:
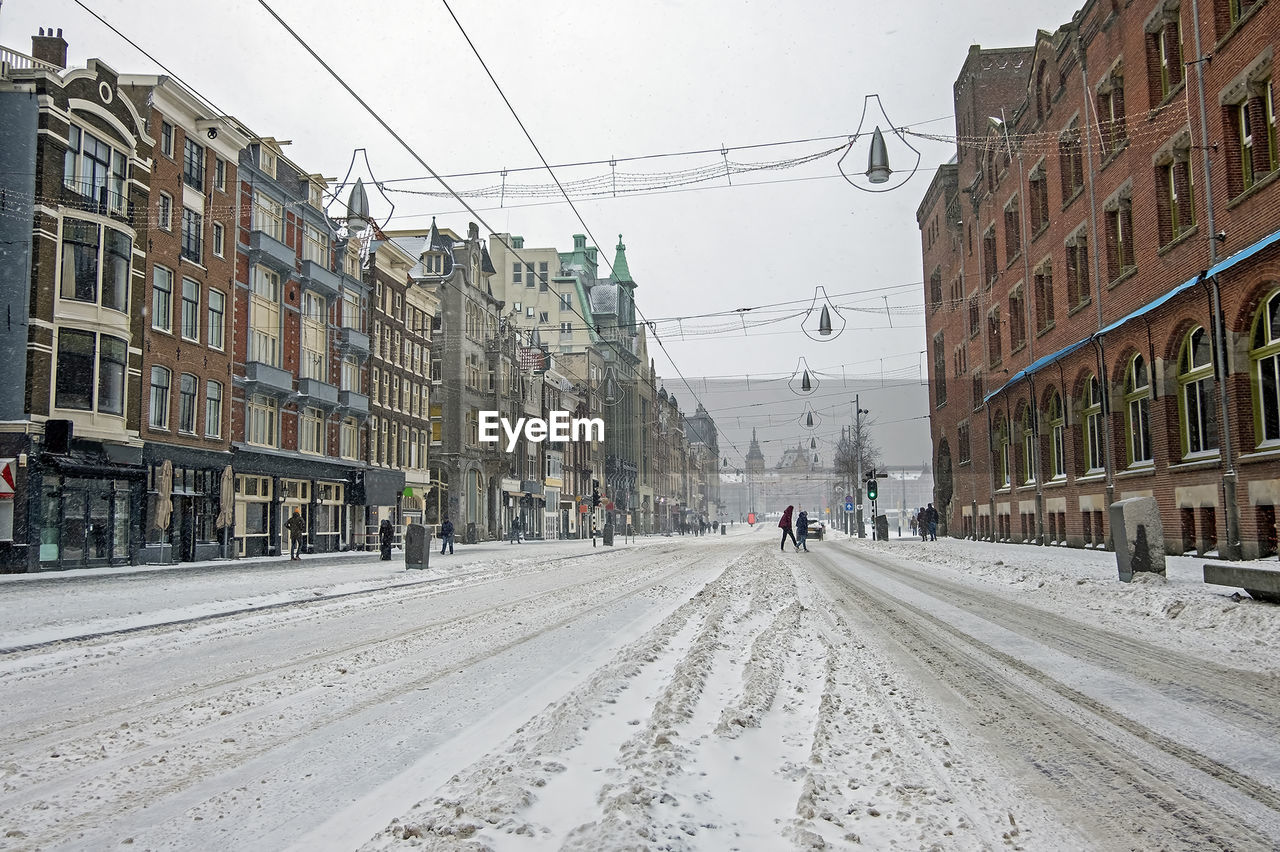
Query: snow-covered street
[[681, 693]]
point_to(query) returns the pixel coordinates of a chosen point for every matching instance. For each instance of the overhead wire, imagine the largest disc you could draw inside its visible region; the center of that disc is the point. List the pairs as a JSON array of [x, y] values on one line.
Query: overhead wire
[[417, 157], [657, 338]]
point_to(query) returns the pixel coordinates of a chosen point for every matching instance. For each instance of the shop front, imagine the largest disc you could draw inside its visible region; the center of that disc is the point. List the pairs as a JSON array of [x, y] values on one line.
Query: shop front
[[191, 484], [83, 506], [257, 532], [323, 506], [270, 486], [374, 495]]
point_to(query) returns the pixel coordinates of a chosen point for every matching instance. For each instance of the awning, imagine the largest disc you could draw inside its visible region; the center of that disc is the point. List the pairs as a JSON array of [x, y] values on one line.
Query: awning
[[373, 487], [85, 468], [1218, 268], [1036, 365]]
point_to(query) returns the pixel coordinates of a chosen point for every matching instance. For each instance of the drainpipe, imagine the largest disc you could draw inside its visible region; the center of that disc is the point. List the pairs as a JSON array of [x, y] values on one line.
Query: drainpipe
[[1035, 461], [1233, 550], [1104, 385], [991, 475]]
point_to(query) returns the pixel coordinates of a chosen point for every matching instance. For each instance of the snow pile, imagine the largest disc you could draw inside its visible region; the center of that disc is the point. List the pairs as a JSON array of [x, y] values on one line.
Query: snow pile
[[1179, 609]]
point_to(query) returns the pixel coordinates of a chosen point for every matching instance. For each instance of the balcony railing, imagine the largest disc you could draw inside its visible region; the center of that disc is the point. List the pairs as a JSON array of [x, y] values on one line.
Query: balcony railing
[[82, 195], [266, 249], [353, 340], [316, 392], [267, 378], [16, 61], [356, 403], [318, 277]]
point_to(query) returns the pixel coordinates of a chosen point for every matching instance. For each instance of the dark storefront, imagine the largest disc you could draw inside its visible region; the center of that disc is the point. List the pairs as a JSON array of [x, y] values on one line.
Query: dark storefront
[[191, 534], [80, 508]]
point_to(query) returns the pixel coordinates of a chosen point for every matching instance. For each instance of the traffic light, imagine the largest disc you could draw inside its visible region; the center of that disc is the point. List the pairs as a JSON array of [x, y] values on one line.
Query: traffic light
[[595, 497], [871, 489]]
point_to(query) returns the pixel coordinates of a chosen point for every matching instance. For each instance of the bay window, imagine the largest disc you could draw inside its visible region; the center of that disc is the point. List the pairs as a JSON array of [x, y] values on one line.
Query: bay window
[[90, 372], [95, 262]]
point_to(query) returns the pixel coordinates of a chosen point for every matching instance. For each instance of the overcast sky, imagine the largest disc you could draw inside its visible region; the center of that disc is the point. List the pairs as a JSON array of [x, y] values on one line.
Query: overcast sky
[[596, 80]]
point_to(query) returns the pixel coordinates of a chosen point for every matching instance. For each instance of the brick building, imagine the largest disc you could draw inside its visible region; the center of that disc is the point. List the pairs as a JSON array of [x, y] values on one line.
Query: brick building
[[401, 316], [75, 173], [299, 318], [186, 352], [1101, 281]]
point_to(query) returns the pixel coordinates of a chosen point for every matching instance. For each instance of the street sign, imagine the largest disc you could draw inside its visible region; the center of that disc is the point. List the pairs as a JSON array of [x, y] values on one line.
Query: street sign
[[848, 505], [848, 498], [582, 509], [7, 485]]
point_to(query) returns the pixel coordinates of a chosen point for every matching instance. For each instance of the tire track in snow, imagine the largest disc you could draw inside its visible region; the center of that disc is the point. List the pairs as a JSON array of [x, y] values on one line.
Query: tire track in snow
[[1122, 796], [189, 742], [1247, 699]]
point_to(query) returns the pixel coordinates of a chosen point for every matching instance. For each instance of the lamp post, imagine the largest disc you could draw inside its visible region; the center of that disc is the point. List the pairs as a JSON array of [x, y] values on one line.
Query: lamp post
[[857, 450]]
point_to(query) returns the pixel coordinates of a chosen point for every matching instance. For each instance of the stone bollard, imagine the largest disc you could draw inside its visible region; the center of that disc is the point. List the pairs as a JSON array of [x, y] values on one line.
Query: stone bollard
[[417, 547], [1138, 536]]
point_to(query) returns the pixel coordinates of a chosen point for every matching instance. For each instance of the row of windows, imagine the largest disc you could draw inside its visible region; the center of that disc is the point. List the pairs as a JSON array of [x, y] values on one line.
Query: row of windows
[[188, 389], [397, 445], [1198, 421], [406, 396], [522, 273], [192, 244], [1250, 130], [190, 320], [194, 159], [262, 428], [401, 351]]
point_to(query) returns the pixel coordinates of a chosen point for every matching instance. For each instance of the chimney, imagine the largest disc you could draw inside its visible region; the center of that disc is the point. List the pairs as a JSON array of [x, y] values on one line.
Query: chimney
[[50, 48]]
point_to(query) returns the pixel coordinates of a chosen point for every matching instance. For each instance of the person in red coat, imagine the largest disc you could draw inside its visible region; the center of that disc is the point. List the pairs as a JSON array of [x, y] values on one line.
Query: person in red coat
[[785, 524]]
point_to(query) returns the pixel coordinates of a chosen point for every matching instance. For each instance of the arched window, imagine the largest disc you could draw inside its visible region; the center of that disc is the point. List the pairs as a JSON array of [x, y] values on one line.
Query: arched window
[[1002, 454], [1057, 437], [1195, 392], [1094, 434], [1265, 354], [1137, 411], [1028, 445]]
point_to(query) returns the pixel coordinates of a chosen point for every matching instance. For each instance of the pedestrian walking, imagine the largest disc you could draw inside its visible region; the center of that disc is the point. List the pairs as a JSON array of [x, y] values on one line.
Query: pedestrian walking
[[802, 529], [446, 536], [297, 528], [785, 525], [514, 536], [931, 518], [386, 534]]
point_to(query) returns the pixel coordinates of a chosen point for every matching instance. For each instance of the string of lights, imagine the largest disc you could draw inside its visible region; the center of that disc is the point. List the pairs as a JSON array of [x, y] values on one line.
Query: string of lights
[[694, 174]]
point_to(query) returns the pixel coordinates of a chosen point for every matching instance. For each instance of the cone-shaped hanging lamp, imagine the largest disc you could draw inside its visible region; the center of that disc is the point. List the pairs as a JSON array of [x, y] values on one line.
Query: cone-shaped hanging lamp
[[878, 170]]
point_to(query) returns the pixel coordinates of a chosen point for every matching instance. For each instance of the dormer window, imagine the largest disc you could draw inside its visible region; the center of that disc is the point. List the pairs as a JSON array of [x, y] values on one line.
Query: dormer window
[[267, 160]]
